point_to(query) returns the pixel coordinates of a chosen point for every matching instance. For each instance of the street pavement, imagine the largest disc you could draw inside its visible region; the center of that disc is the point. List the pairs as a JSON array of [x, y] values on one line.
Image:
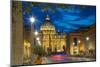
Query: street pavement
[[63, 58], [60, 59]]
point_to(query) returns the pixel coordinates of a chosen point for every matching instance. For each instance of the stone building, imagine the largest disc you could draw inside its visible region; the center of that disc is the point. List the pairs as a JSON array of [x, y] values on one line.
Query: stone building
[[50, 38], [83, 41]]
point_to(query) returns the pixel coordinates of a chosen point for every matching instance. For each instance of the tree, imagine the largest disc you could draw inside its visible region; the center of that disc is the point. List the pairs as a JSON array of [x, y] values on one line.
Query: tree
[[38, 50]]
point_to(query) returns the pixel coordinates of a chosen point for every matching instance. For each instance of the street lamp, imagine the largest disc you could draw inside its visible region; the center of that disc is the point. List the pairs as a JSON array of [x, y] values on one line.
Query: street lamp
[[87, 38], [36, 33], [87, 44], [73, 43], [32, 19], [79, 41], [37, 38]]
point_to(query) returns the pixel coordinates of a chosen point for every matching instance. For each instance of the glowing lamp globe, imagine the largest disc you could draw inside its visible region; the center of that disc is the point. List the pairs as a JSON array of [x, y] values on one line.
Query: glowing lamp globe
[[32, 19]]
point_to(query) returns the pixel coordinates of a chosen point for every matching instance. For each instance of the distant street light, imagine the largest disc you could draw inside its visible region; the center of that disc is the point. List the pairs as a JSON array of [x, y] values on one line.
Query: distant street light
[[36, 33], [37, 38], [87, 38], [79, 41], [73, 43]]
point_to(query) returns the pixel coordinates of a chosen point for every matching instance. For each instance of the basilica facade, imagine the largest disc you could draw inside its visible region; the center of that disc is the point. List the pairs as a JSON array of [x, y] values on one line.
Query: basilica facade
[[51, 40]]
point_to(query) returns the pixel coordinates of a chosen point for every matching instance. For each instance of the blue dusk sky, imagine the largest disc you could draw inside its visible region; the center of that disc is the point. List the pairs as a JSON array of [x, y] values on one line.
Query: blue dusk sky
[[65, 17]]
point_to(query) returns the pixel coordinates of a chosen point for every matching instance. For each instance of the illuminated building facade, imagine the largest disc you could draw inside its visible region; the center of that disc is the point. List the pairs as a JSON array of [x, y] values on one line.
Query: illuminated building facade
[[82, 42], [51, 40]]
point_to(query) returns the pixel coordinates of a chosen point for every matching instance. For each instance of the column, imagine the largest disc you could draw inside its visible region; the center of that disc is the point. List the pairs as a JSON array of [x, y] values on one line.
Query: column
[[17, 46]]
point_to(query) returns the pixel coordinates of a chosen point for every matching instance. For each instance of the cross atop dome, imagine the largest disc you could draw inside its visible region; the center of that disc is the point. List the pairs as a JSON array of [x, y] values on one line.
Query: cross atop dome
[[47, 17]]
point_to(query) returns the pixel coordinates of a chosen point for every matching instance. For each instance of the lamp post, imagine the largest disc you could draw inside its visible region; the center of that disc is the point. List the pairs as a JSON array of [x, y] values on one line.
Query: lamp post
[[87, 44], [32, 21]]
